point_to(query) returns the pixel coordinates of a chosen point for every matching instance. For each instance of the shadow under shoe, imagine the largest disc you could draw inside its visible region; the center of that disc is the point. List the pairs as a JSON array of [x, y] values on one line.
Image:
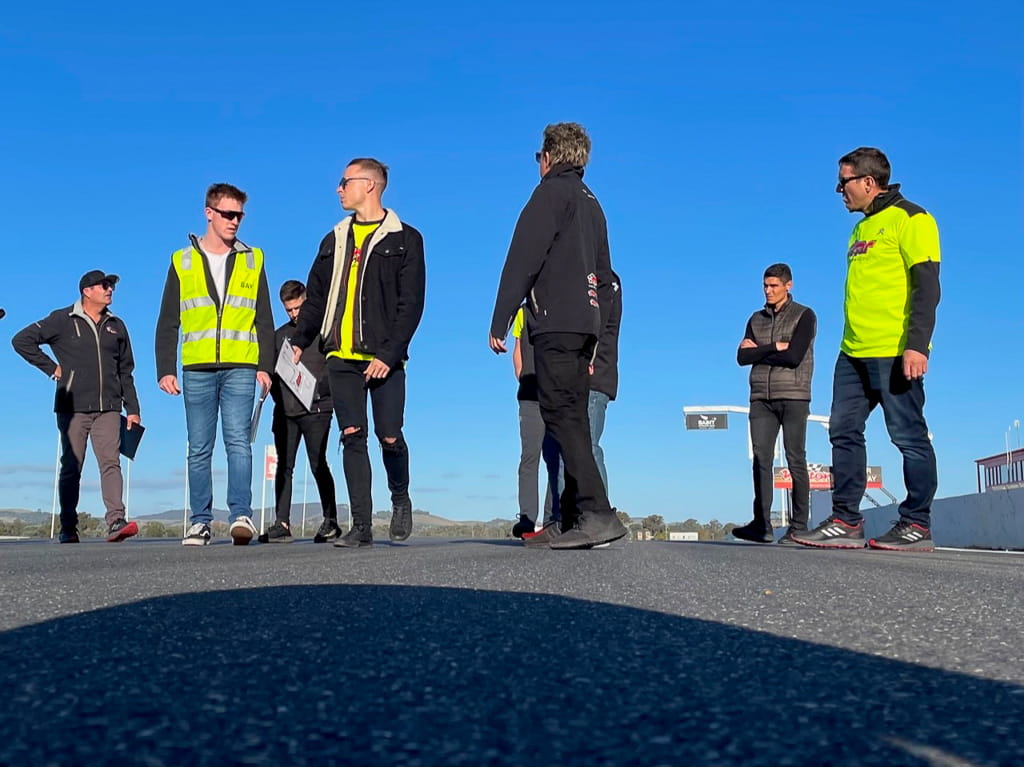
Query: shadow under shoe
[[754, 533], [358, 537], [591, 529]]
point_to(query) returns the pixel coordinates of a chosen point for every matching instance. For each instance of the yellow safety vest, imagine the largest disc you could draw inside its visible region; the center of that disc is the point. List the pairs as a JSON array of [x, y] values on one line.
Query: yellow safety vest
[[209, 336]]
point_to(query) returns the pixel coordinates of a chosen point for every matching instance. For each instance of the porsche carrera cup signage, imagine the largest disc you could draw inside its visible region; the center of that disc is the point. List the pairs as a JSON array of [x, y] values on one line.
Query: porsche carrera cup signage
[[707, 421], [820, 476]]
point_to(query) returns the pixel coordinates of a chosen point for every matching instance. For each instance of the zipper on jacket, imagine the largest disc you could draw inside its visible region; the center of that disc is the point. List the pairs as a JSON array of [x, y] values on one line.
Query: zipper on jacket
[[71, 380], [772, 339]]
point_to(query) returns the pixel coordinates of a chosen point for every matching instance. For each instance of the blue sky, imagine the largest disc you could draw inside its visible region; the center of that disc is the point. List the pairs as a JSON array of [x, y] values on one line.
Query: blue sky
[[716, 133]]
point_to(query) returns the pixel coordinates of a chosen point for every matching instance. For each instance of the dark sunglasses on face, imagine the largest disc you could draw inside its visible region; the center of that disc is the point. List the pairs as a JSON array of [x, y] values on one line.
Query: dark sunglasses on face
[[105, 284], [844, 181], [230, 215], [345, 181]]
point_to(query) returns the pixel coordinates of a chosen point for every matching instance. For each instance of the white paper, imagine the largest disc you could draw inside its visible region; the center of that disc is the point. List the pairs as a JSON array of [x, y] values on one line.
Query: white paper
[[296, 376]]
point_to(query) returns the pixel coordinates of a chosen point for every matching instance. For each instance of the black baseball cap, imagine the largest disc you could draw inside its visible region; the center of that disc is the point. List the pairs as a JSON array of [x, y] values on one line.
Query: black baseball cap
[[95, 277]]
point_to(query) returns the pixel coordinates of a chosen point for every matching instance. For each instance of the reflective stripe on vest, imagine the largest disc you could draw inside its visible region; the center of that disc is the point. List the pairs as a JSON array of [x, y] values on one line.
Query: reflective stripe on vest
[[209, 338]]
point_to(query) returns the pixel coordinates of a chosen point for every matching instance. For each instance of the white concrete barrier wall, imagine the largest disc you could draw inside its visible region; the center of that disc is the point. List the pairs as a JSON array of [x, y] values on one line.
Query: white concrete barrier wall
[[993, 520]]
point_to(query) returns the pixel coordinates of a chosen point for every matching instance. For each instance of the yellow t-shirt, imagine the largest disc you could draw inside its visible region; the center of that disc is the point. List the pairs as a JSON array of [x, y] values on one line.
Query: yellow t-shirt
[[361, 232], [882, 249]]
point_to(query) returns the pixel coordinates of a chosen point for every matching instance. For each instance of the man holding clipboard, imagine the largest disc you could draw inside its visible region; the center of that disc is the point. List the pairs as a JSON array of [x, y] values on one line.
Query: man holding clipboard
[[302, 410]]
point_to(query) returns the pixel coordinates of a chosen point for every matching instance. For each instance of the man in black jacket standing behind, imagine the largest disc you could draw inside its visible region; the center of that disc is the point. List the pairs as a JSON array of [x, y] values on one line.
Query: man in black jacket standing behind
[[94, 375], [364, 296], [293, 422], [559, 263]]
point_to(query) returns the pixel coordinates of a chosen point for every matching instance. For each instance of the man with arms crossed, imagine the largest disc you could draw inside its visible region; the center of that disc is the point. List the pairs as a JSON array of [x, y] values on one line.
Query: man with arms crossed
[[94, 379], [365, 297], [559, 262], [216, 293], [892, 291], [779, 345]]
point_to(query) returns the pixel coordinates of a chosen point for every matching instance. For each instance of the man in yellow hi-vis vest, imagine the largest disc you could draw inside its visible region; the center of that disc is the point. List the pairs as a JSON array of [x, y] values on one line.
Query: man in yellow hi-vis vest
[[216, 293]]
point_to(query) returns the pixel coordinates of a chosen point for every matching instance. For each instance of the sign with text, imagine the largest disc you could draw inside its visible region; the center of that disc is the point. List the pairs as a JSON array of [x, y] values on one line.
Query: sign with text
[[707, 421], [820, 476]]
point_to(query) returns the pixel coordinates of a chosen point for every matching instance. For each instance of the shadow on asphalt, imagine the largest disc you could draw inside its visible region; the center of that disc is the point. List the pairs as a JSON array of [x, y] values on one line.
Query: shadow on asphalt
[[416, 675]]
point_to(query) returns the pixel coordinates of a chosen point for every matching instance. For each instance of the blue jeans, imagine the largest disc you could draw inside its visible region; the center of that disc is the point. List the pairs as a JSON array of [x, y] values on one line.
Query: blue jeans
[[232, 392], [858, 386], [596, 408]]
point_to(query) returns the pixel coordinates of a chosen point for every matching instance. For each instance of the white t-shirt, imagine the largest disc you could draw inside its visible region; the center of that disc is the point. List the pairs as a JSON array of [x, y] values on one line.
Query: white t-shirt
[[218, 270]]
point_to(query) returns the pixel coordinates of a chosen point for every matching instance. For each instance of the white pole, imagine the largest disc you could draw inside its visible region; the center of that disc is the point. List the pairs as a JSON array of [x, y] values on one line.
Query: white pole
[[263, 486], [128, 488], [56, 474], [305, 482], [184, 513]]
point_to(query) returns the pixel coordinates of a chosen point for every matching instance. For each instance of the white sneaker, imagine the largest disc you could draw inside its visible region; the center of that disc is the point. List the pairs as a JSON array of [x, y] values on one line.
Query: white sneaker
[[242, 531], [197, 535]]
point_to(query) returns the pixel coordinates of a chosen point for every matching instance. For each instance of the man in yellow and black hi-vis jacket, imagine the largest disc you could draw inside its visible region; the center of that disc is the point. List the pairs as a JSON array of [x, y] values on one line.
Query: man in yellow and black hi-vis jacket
[[364, 296], [892, 291], [216, 293]]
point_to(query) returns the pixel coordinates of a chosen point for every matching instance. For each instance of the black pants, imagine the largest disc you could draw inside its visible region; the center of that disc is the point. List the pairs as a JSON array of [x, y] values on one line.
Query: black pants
[[348, 390], [766, 416], [313, 428], [563, 390]]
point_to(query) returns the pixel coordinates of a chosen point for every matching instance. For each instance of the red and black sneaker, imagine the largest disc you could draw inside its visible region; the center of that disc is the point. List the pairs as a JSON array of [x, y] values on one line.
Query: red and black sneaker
[[120, 530], [544, 536], [905, 536], [833, 533]]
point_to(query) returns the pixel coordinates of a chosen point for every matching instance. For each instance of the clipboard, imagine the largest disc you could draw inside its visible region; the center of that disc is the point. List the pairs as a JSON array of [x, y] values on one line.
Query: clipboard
[[130, 438], [254, 425]]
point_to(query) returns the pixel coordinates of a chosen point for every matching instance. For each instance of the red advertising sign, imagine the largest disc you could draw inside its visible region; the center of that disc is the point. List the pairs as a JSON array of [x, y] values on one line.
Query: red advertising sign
[[269, 462], [820, 476]]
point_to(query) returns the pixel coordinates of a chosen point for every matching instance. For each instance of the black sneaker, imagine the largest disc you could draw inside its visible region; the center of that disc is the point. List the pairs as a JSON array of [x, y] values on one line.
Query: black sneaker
[[833, 533], [754, 533], [120, 530], [542, 538], [277, 533], [523, 526], [197, 535], [68, 537], [328, 531], [591, 530], [358, 537], [904, 536], [401, 520], [787, 538]]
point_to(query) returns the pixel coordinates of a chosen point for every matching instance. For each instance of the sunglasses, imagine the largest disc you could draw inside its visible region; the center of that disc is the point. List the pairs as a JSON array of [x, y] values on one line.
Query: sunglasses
[[345, 181], [844, 181], [105, 284], [230, 215]]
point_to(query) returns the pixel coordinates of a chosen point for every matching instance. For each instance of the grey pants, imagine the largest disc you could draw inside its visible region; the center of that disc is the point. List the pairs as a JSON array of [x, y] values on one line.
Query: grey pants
[[531, 437], [104, 429]]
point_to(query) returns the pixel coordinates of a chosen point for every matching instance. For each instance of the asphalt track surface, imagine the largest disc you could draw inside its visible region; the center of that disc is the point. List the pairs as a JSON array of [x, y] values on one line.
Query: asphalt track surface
[[471, 652]]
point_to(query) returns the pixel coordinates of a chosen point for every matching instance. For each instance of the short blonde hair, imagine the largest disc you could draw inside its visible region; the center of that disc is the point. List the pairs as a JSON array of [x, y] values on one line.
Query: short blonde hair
[[567, 143]]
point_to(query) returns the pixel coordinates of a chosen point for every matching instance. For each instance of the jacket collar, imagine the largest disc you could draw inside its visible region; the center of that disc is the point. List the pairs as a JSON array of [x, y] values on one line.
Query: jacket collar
[[770, 310], [78, 311], [391, 223], [884, 200], [238, 247], [563, 169]]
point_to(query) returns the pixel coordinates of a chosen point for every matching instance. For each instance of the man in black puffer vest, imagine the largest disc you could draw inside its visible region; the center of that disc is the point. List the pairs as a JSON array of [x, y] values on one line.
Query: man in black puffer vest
[[779, 345]]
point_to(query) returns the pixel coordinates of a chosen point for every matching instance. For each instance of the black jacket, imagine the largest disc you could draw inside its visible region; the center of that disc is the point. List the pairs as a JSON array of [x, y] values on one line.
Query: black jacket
[[286, 403], [96, 361], [169, 321], [390, 290], [558, 260], [605, 377]]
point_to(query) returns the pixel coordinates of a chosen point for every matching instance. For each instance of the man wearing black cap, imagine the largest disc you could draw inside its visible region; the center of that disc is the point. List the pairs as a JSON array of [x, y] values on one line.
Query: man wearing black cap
[[94, 379]]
